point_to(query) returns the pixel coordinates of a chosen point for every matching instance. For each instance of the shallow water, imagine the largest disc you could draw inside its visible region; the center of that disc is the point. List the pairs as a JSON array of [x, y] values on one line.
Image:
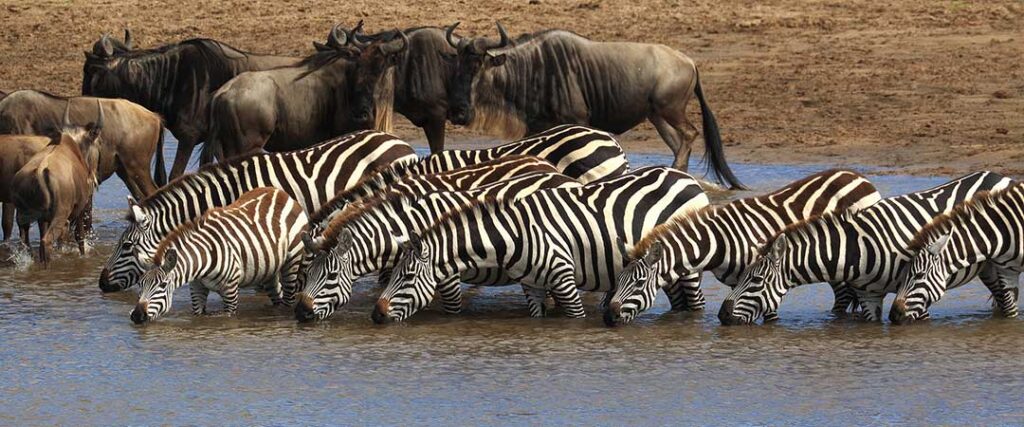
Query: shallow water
[[70, 355]]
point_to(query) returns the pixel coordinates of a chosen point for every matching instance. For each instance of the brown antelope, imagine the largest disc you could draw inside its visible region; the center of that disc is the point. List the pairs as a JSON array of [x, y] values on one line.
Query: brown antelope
[[15, 151], [56, 185]]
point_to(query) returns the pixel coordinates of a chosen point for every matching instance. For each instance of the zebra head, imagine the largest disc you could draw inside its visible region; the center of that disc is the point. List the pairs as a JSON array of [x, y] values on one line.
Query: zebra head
[[123, 269], [923, 283], [157, 289], [636, 287], [412, 284], [327, 279], [760, 288]]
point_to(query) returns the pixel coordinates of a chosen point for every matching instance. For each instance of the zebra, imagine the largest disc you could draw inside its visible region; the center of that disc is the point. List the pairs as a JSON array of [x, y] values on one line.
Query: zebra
[[361, 239], [988, 228], [311, 176], [557, 240], [462, 178], [254, 241], [583, 153], [723, 240], [866, 249]]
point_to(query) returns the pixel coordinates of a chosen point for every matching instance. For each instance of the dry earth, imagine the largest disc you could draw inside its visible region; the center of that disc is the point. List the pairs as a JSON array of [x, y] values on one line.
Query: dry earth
[[921, 86]]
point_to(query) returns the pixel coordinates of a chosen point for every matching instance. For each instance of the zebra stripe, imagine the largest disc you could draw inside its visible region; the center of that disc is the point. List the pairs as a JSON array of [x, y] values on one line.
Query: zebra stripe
[[724, 240], [987, 229], [581, 152], [463, 178], [253, 241], [360, 240], [866, 249], [311, 176], [556, 241]]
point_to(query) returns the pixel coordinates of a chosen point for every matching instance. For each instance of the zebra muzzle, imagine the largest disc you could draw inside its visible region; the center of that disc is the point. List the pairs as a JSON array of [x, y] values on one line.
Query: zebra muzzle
[[139, 314], [380, 311], [613, 314], [105, 284], [726, 315], [304, 309]]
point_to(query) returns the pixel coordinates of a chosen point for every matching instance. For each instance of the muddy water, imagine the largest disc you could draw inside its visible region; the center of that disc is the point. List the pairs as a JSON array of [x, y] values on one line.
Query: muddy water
[[70, 355]]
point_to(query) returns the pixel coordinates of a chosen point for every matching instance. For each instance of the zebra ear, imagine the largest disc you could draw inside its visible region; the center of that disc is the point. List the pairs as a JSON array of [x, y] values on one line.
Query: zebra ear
[[170, 260], [345, 240], [779, 247], [654, 253], [309, 244], [137, 215], [936, 247], [400, 238]]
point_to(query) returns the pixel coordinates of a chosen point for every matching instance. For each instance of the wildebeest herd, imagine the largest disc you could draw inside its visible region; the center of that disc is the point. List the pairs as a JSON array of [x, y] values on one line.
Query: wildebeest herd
[[303, 191]]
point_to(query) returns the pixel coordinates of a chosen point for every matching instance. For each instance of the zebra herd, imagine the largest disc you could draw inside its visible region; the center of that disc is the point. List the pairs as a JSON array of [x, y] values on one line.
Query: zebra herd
[[557, 213]]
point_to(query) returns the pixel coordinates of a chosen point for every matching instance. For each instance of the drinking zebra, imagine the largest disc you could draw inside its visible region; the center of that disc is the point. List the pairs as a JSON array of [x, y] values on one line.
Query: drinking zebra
[[724, 240], [311, 176], [361, 239], [253, 241], [463, 178], [988, 228], [557, 240], [866, 249], [581, 152]]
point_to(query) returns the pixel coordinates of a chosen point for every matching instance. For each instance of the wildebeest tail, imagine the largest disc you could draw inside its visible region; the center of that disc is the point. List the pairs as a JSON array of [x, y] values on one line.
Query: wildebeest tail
[[48, 196], [159, 169], [714, 153]]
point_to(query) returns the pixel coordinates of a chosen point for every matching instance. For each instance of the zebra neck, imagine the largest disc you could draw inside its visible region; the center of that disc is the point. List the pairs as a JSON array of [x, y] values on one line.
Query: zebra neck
[[821, 255], [692, 246], [973, 241]]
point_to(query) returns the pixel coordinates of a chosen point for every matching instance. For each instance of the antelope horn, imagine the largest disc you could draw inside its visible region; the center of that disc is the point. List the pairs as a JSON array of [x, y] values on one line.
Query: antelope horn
[[67, 113], [390, 47], [448, 33], [99, 120]]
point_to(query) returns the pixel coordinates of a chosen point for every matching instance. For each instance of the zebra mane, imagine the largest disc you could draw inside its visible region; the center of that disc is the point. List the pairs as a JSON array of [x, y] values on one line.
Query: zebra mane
[[373, 182], [176, 235], [196, 176], [963, 211], [674, 224]]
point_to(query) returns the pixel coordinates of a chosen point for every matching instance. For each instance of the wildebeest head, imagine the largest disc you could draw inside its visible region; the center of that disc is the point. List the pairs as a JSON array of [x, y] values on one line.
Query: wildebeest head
[[474, 56], [374, 82], [98, 77]]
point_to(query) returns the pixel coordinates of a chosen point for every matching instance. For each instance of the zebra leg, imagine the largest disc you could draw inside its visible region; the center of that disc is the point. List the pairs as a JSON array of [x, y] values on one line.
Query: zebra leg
[[273, 289], [451, 296], [1003, 285], [229, 293], [686, 294], [288, 281], [199, 293], [567, 296], [845, 298], [871, 304], [535, 299]]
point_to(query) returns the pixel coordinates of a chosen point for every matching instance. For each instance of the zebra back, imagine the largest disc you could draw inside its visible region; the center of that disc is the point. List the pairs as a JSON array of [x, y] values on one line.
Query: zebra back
[[581, 152]]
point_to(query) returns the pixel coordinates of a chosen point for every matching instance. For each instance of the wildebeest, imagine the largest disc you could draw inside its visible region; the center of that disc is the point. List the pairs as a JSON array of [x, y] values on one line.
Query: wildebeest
[[554, 77], [289, 108], [422, 66], [176, 80], [56, 185], [132, 135], [15, 152]]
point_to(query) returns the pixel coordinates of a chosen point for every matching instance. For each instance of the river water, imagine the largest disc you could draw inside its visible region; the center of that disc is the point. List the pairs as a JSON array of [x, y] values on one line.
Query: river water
[[70, 355]]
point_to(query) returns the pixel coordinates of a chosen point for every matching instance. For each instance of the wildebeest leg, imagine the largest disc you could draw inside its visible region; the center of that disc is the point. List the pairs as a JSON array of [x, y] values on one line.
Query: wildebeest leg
[[45, 240], [435, 135], [136, 178], [80, 232], [182, 156], [674, 139], [8, 221]]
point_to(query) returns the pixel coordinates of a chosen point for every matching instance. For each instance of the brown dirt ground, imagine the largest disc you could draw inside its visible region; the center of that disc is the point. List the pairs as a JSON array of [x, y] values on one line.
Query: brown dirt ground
[[922, 86]]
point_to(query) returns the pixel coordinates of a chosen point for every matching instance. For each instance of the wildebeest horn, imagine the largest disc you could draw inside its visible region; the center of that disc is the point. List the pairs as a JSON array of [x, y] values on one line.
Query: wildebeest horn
[[448, 33], [354, 34], [503, 41], [106, 45], [99, 120], [333, 39], [390, 47], [128, 38], [67, 113]]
